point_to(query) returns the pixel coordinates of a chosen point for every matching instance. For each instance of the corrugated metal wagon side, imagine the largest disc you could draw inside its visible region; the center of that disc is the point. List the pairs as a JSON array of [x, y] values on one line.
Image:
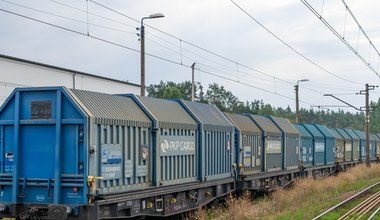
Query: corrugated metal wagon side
[[330, 144], [216, 135], [362, 144], [291, 142], [306, 146], [339, 146], [248, 142], [175, 141], [347, 144], [373, 138], [318, 144], [43, 143], [272, 151], [120, 140], [378, 145], [355, 144]]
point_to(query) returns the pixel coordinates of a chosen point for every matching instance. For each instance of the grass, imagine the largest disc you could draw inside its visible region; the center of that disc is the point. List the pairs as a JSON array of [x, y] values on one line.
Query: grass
[[305, 200]]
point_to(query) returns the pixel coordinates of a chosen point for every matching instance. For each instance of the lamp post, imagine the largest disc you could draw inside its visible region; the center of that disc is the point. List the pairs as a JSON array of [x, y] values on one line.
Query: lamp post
[[142, 50], [298, 116]]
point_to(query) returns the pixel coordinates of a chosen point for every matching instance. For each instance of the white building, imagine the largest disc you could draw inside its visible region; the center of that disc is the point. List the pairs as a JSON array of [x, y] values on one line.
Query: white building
[[16, 72]]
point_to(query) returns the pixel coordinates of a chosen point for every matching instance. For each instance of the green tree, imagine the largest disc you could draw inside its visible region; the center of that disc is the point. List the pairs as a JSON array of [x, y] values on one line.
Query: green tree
[[176, 90], [222, 98]]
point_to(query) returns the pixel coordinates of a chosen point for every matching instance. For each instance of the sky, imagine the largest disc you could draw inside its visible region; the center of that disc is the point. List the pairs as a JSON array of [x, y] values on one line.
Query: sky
[[256, 49]]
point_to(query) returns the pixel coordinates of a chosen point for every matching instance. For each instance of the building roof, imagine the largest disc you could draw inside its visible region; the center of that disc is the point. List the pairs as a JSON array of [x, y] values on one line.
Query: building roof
[[64, 69]]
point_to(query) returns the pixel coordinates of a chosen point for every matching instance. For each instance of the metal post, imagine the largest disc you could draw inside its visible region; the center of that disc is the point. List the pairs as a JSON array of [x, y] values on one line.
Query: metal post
[[297, 105], [192, 83], [142, 50], [367, 140], [296, 87], [142, 59]]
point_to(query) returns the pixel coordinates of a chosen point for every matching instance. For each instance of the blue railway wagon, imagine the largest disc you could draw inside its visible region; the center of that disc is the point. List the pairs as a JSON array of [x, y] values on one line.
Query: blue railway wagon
[[339, 146], [347, 144], [248, 142], [216, 136], [56, 143], [330, 144], [372, 152], [378, 146], [272, 151], [355, 144], [291, 142], [306, 146], [70, 154], [318, 144], [362, 144]]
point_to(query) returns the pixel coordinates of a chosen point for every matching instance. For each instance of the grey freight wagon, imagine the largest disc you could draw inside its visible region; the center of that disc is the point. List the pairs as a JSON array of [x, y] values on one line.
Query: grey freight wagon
[[272, 151], [290, 141]]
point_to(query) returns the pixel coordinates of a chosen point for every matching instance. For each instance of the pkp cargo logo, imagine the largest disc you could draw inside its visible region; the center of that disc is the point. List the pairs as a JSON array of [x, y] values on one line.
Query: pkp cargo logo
[[177, 147]]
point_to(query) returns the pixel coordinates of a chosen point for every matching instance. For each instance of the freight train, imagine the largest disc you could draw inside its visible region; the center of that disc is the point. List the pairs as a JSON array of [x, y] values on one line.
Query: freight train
[[73, 154]]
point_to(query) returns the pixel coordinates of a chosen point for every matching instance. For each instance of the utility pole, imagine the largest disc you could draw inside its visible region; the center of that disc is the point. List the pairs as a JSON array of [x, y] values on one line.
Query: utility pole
[[296, 88], [297, 105], [192, 83], [142, 50], [367, 110]]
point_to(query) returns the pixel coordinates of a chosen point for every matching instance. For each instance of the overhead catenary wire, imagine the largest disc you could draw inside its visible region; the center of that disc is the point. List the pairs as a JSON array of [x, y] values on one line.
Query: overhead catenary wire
[[290, 47], [179, 39], [218, 55], [87, 23], [341, 37], [179, 63], [152, 55], [189, 43], [272, 77]]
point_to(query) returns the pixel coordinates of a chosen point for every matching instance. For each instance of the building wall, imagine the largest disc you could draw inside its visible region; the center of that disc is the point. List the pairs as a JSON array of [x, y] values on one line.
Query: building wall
[[16, 72]]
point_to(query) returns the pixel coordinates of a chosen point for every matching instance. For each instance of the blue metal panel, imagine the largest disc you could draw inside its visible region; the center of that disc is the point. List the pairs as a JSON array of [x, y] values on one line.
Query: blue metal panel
[[38, 149], [217, 154], [306, 146], [378, 145], [372, 147], [290, 143], [362, 144], [330, 144], [319, 145]]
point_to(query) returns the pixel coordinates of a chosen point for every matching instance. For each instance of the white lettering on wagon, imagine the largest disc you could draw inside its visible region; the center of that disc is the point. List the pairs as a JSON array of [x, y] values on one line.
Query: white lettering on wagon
[[169, 146]]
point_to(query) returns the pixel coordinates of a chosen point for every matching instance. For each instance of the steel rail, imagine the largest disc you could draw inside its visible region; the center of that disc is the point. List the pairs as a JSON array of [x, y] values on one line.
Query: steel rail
[[374, 213], [347, 200], [363, 207]]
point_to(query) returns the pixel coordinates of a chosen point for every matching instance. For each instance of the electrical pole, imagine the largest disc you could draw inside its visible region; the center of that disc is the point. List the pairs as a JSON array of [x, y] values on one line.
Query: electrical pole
[[142, 50], [297, 105], [296, 88], [367, 124], [367, 110]]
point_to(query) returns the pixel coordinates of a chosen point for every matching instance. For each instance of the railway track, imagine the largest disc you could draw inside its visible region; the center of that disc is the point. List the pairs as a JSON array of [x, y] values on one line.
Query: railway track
[[363, 208], [359, 210]]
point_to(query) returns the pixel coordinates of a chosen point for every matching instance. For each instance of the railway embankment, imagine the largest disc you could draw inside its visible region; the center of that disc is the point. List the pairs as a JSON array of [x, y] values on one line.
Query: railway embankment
[[306, 199]]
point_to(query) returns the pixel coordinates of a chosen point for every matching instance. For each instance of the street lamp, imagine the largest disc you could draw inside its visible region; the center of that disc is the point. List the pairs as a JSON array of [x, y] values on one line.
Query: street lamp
[[298, 116], [142, 51]]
